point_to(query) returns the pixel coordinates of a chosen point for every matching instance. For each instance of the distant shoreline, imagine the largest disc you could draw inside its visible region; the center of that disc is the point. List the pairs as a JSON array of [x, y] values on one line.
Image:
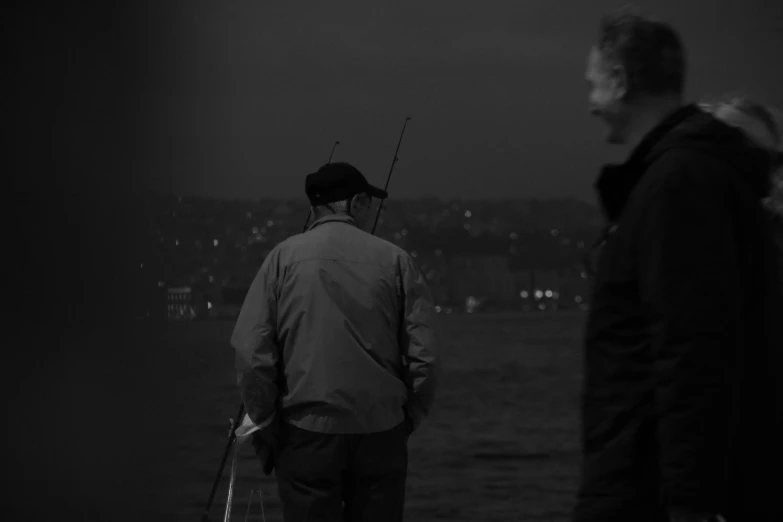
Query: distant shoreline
[[403, 199]]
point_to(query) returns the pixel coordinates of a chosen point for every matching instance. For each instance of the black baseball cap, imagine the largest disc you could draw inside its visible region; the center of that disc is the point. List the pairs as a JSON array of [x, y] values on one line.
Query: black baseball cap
[[336, 182]]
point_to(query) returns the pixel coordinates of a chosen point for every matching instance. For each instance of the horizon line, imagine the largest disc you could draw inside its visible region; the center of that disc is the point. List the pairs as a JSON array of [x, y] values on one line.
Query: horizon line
[[303, 199]]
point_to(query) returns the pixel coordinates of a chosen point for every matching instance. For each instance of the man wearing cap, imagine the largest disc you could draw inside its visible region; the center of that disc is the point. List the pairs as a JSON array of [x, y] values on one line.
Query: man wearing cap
[[336, 356]]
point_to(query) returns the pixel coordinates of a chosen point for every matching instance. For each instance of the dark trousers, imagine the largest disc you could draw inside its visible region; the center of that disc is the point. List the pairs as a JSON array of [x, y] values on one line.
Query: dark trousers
[[342, 478]]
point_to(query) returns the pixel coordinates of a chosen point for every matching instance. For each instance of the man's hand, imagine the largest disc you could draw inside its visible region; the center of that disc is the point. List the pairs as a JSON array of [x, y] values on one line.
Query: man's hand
[[264, 440], [245, 430], [262, 448]]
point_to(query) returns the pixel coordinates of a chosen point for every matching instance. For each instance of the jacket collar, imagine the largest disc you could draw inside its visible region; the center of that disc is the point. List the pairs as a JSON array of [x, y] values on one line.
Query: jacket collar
[[616, 181], [342, 218]]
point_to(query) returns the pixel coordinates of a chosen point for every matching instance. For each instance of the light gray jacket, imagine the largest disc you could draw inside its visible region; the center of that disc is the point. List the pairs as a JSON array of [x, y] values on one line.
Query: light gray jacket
[[337, 334]]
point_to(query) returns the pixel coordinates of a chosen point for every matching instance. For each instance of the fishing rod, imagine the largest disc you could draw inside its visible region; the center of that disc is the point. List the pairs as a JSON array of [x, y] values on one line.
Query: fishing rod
[[231, 437], [336, 143], [230, 499], [240, 413], [309, 212], [388, 178]]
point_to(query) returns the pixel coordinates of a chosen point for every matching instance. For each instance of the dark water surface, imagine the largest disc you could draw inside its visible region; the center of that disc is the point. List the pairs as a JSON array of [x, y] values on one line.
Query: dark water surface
[[129, 423]]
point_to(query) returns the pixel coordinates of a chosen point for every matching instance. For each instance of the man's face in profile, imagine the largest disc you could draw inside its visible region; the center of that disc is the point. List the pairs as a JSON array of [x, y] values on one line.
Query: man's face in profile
[[607, 89]]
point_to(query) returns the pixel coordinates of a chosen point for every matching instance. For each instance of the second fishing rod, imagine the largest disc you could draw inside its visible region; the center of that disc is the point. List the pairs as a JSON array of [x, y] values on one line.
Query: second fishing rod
[[236, 421]]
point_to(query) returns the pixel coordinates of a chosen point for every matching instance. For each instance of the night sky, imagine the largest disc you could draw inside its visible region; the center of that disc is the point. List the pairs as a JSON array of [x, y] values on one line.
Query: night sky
[[244, 100]]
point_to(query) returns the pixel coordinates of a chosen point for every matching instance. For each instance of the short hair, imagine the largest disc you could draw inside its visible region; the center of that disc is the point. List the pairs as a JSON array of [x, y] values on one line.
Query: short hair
[[337, 206], [340, 205], [650, 51]]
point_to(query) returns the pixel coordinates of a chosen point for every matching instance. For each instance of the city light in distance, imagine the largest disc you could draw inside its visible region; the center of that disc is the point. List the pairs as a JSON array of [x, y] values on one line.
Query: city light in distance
[[476, 261]]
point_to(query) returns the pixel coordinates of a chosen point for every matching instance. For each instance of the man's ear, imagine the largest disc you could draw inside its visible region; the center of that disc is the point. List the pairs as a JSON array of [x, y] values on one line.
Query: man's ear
[[619, 79], [359, 202]]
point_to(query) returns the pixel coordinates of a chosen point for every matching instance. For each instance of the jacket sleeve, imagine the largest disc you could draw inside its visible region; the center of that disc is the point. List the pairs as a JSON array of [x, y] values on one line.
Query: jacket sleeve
[[255, 344], [419, 344], [691, 287]]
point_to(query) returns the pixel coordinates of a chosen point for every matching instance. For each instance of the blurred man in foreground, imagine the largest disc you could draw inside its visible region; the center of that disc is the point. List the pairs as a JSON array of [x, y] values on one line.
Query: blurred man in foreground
[[681, 403], [336, 355]]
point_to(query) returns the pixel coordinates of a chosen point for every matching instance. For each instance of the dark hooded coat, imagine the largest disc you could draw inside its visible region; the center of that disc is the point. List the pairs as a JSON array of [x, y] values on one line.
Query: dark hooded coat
[[681, 403]]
